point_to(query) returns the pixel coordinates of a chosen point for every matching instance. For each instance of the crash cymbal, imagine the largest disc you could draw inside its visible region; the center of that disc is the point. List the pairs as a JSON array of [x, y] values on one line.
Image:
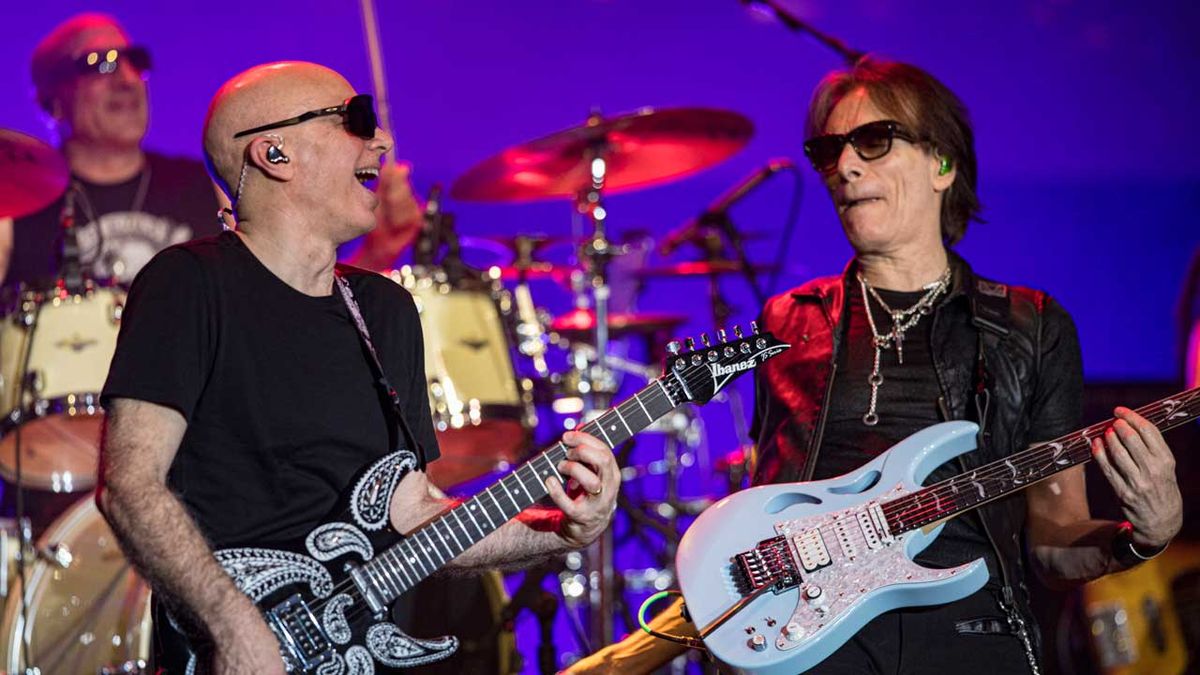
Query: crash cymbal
[[580, 324], [32, 174], [699, 268], [641, 149]]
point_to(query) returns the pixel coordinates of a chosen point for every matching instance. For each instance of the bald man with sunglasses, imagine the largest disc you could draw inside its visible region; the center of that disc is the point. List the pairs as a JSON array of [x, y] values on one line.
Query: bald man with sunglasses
[[909, 336], [254, 377]]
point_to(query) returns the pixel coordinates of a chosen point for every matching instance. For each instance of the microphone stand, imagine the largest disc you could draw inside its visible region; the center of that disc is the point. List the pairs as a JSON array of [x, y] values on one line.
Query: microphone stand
[[848, 54], [721, 221]]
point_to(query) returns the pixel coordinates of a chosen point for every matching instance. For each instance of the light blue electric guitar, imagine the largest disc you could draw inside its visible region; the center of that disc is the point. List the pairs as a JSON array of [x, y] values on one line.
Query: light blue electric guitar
[[778, 577]]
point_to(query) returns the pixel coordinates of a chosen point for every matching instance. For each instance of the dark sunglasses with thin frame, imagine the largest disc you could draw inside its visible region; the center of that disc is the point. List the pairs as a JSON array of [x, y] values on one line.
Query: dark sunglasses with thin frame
[[871, 141], [358, 115]]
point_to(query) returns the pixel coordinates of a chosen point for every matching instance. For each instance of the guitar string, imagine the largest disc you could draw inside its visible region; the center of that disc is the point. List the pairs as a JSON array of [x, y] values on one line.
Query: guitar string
[[1035, 457], [1071, 442], [655, 397], [693, 375]]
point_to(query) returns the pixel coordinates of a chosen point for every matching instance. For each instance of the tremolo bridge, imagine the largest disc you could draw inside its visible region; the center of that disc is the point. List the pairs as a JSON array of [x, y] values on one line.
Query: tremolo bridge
[[768, 564]]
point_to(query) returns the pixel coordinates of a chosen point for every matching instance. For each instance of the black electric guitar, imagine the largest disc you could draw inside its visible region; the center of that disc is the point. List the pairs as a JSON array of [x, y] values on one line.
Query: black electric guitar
[[327, 597]]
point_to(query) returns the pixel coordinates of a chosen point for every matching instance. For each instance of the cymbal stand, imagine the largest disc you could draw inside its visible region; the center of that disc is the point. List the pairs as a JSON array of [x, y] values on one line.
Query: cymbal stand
[[530, 339], [596, 253]]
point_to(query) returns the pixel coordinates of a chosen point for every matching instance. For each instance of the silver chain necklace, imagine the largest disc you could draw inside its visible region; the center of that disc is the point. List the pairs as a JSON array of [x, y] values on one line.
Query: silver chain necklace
[[902, 320]]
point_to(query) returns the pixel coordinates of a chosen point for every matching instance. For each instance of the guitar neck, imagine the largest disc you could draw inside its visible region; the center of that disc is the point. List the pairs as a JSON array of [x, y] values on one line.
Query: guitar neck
[[427, 550], [1016, 472]]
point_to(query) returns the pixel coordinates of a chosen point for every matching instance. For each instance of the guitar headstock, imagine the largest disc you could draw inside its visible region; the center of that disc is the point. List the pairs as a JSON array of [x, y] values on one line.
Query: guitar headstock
[[696, 373]]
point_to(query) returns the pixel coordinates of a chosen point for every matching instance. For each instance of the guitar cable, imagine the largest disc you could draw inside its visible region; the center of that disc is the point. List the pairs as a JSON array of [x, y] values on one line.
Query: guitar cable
[[686, 641]]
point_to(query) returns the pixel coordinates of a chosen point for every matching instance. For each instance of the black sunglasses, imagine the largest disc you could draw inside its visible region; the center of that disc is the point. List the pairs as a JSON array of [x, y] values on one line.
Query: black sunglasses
[[358, 114], [104, 61], [871, 141]]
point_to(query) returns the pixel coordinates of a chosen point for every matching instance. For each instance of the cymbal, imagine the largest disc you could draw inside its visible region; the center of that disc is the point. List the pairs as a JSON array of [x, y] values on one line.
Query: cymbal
[[580, 324], [538, 270], [32, 174], [699, 268], [641, 148]]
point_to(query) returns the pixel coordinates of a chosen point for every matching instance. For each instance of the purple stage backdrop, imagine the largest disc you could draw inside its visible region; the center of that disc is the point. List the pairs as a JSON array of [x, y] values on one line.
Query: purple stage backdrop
[[1082, 113]]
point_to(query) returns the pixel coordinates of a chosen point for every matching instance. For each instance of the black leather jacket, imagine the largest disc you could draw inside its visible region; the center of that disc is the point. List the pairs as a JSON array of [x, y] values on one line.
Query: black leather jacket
[[1027, 387]]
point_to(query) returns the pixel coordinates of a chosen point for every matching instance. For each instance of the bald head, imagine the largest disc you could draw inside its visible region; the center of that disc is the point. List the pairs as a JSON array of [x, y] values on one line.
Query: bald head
[[261, 95]]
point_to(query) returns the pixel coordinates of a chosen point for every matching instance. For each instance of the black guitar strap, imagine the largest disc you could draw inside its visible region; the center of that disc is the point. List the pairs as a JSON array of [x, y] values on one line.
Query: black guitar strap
[[381, 378], [990, 308]]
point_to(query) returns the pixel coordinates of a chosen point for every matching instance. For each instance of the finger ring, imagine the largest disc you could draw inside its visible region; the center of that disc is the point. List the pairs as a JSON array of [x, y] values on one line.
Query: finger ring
[[597, 493]]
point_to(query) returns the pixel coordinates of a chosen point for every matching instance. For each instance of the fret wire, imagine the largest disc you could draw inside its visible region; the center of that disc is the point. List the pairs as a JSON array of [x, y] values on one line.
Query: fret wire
[[511, 499], [380, 574], [899, 509], [613, 428], [537, 480], [409, 576], [608, 440], [445, 543], [450, 529], [521, 482], [999, 469], [477, 504], [554, 469], [413, 557], [649, 417], [1159, 413], [621, 417], [490, 492], [425, 549], [470, 515], [397, 583]]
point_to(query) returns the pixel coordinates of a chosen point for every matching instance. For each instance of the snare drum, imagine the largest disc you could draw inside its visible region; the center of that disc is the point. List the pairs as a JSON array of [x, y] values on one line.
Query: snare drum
[[55, 349], [481, 415], [89, 612]]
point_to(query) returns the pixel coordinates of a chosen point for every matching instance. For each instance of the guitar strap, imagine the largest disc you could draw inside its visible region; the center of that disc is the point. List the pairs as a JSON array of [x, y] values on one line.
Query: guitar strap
[[991, 309], [381, 378]]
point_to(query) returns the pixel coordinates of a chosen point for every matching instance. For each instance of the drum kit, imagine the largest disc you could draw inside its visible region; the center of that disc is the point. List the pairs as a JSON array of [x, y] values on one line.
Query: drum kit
[[500, 370]]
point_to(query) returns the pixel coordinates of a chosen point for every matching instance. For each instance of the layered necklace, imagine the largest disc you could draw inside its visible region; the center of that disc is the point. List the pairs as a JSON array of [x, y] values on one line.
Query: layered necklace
[[902, 320]]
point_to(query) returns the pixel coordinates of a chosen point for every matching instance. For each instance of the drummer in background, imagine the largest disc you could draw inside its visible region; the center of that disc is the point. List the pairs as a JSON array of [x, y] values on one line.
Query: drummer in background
[[130, 203]]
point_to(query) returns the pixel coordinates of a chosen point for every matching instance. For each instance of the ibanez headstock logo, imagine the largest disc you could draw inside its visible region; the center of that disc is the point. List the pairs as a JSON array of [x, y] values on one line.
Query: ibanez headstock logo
[[733, 369]]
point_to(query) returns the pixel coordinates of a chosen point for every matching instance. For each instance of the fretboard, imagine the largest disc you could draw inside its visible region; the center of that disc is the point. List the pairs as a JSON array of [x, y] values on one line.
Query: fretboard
[[427, 550], [1020, 470]]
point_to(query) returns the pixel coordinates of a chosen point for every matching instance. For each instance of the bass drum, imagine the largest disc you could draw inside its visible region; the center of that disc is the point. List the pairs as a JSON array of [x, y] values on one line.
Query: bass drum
[[481, 414], [88, 611], [55, 349]]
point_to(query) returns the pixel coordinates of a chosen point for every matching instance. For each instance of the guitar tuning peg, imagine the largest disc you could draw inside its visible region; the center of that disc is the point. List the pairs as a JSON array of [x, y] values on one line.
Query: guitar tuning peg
[[754, 327], [722, 336], [737, 330], [690, 343], [673, 347], [705, 340]]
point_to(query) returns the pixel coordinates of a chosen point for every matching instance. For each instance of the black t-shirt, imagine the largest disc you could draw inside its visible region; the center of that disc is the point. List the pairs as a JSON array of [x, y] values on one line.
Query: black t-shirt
[[120, 226], [907, 403], [280, 399]]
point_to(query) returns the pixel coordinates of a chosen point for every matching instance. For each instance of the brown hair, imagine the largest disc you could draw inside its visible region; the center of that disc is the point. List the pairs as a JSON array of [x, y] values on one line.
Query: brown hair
[[925, 106]]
